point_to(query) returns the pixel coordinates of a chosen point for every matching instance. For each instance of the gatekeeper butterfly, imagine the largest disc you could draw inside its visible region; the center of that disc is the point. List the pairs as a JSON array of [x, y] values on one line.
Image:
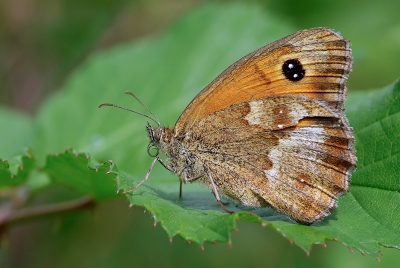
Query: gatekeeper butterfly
[[270, 130]]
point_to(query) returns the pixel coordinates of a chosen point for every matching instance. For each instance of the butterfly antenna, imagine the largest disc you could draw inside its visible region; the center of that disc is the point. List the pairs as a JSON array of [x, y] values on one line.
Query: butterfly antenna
[[155, 119], [130, 110]]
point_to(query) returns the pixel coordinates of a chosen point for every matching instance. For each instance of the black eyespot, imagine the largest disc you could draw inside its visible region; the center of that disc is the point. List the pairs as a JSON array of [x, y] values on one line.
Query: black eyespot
[[293, 70]]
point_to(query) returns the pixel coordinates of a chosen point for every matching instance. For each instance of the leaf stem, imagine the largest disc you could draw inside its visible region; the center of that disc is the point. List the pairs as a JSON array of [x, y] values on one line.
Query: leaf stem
[[14, 216]]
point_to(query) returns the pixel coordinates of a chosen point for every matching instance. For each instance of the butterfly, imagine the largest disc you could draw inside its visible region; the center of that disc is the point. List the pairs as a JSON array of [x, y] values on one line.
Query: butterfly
[[270, 130]]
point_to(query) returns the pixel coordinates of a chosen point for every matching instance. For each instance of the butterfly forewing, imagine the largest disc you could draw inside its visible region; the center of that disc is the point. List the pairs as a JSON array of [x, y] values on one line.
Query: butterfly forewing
[[260, 74]]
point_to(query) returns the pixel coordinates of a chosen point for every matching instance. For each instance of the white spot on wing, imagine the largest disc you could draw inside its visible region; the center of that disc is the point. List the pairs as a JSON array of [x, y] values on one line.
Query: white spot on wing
[[274, 174], [254, 117], [308, 136], [298, 111]]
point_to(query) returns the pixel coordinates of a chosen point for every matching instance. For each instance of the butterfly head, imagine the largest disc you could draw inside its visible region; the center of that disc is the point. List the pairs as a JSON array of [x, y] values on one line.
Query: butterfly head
[[160, 139]]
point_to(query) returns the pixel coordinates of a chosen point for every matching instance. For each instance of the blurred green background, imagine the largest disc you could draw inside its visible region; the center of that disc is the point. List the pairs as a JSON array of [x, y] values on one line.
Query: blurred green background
[[43, 41]]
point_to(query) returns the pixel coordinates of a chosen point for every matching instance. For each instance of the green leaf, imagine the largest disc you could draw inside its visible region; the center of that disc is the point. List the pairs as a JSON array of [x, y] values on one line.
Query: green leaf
[[376, 184], [82, 173], [15, 171], [196, 217]]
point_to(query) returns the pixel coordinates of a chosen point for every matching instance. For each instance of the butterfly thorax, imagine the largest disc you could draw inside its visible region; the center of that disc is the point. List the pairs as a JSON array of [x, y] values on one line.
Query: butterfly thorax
[[179, 159]]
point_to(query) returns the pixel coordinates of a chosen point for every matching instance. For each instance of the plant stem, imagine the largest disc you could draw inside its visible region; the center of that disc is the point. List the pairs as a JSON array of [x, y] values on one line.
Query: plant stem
[[22, 214]]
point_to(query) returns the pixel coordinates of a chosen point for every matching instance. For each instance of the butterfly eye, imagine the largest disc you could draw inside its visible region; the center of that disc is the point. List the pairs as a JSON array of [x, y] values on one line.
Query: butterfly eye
[[293, 70], [152, 150]]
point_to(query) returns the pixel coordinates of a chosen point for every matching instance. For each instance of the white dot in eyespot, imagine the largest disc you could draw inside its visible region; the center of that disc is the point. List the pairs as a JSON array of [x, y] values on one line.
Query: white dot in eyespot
[[280, 126], [295, 75], [290, 66], [280, 111], [301, 180]]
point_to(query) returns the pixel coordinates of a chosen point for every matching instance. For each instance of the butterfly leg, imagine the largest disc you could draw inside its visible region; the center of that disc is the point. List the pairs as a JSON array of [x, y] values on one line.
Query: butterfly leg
[[224, 203], [145, 178], [170, 169], [214, 188], [164, 164]]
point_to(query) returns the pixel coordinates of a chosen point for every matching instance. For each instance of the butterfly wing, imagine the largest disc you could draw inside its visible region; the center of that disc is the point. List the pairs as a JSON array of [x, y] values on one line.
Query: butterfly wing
[[273, 136], [324, 54]]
